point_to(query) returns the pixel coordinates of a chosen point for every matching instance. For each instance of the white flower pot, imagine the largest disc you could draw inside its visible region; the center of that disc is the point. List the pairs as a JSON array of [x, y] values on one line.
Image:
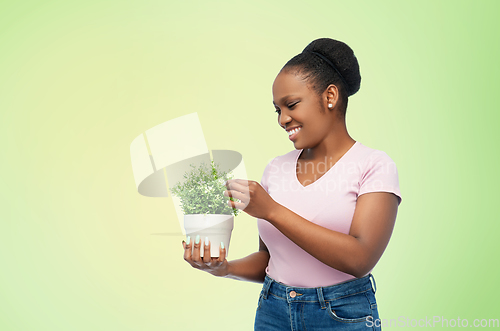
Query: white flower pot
[[216, 227]]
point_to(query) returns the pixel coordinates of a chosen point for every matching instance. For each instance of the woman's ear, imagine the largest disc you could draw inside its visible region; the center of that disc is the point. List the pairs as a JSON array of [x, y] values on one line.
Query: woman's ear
[[332, 96]]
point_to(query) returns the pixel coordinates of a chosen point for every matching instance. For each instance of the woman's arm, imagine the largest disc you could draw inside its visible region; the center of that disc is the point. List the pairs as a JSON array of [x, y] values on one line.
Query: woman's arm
[[251, 268], [355, 253]]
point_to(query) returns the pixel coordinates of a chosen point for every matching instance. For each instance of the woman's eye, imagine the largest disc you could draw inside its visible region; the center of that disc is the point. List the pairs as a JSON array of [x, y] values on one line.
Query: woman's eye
[[278, 110], [290, 106]]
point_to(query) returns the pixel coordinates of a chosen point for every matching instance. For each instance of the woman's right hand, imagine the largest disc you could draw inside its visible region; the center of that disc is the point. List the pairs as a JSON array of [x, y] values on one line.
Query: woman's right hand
[[217, 266]]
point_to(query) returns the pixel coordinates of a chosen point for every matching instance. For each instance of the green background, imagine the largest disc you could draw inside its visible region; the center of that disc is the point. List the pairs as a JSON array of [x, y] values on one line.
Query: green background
[[80, 249]]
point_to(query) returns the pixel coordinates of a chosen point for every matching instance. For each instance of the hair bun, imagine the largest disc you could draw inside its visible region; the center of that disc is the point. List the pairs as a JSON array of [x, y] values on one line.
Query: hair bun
[[343, 58]]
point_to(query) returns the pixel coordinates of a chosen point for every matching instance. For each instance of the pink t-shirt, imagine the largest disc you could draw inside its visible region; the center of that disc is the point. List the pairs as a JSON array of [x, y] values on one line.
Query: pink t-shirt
[[329, 202]]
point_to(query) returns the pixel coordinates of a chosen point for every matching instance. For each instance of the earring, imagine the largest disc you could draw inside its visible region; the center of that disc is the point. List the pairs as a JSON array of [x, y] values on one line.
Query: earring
[[330, 105]]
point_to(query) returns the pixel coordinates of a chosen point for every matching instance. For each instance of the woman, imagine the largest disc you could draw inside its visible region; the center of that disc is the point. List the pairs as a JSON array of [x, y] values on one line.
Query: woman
[[325, 210]]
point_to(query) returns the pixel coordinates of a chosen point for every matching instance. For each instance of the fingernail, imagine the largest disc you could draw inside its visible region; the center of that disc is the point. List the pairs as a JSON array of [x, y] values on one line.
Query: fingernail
[[221, 245], [188, 240], [197, 240], [206, 241]]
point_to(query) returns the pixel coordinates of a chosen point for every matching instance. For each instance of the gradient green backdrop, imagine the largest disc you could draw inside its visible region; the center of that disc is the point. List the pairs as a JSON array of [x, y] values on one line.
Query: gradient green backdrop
[[80, 249]]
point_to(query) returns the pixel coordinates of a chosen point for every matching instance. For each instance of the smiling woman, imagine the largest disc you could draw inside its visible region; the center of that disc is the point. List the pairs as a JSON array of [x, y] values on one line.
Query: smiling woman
[[325, 211]]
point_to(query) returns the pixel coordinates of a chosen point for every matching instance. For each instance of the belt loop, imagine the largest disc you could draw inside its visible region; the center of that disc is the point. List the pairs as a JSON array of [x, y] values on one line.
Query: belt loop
[[374, 284], [267, 285], [320, 296]]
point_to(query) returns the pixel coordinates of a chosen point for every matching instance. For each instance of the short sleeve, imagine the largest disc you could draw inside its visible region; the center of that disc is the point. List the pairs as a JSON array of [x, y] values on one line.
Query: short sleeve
[[380, 175], [264, 182]]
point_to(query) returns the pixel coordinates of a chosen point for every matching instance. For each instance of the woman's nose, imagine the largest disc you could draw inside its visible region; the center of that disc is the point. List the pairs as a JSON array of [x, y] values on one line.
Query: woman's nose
[[283, 119]]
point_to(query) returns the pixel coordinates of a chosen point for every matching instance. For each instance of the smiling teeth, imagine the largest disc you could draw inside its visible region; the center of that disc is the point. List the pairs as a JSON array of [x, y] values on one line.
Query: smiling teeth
[[294, 131]]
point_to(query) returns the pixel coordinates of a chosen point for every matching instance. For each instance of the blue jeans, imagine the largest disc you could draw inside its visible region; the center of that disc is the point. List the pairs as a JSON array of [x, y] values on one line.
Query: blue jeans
[[346, 306]]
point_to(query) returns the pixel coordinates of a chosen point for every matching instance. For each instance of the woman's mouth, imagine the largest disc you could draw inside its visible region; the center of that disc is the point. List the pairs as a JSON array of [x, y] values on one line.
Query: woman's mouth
[[292, 134]]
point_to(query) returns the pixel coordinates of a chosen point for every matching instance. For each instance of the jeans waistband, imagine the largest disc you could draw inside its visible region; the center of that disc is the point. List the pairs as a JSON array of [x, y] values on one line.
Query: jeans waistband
[[318, 294]]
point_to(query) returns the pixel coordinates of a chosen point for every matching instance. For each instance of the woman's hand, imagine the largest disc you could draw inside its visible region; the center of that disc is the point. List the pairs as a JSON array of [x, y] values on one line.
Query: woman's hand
[[213, 265], [254, 200]]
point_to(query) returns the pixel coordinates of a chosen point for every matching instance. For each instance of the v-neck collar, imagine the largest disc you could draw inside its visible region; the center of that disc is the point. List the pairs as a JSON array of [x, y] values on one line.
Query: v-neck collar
[[329, 170]]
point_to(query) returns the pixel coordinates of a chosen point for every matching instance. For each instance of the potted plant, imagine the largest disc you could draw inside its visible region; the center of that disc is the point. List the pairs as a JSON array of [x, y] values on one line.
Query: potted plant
[[205, 208]]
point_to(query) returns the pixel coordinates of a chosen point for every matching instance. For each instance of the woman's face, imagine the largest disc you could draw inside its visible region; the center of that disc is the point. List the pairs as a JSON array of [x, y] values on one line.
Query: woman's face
[[301, 111]]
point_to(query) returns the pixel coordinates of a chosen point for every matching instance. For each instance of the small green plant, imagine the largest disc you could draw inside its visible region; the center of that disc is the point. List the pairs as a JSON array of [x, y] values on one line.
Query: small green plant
[[201, 192]]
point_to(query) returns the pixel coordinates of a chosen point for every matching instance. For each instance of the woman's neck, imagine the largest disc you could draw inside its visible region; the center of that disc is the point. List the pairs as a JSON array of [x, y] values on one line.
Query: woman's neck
[[333, 146]]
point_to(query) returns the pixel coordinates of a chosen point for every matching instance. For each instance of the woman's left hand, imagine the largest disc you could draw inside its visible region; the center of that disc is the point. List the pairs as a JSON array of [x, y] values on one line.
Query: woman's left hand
[[255, 201]]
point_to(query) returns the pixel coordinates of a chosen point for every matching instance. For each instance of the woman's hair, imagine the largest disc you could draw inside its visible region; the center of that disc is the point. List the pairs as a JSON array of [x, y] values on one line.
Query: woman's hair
[[327, 61]]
